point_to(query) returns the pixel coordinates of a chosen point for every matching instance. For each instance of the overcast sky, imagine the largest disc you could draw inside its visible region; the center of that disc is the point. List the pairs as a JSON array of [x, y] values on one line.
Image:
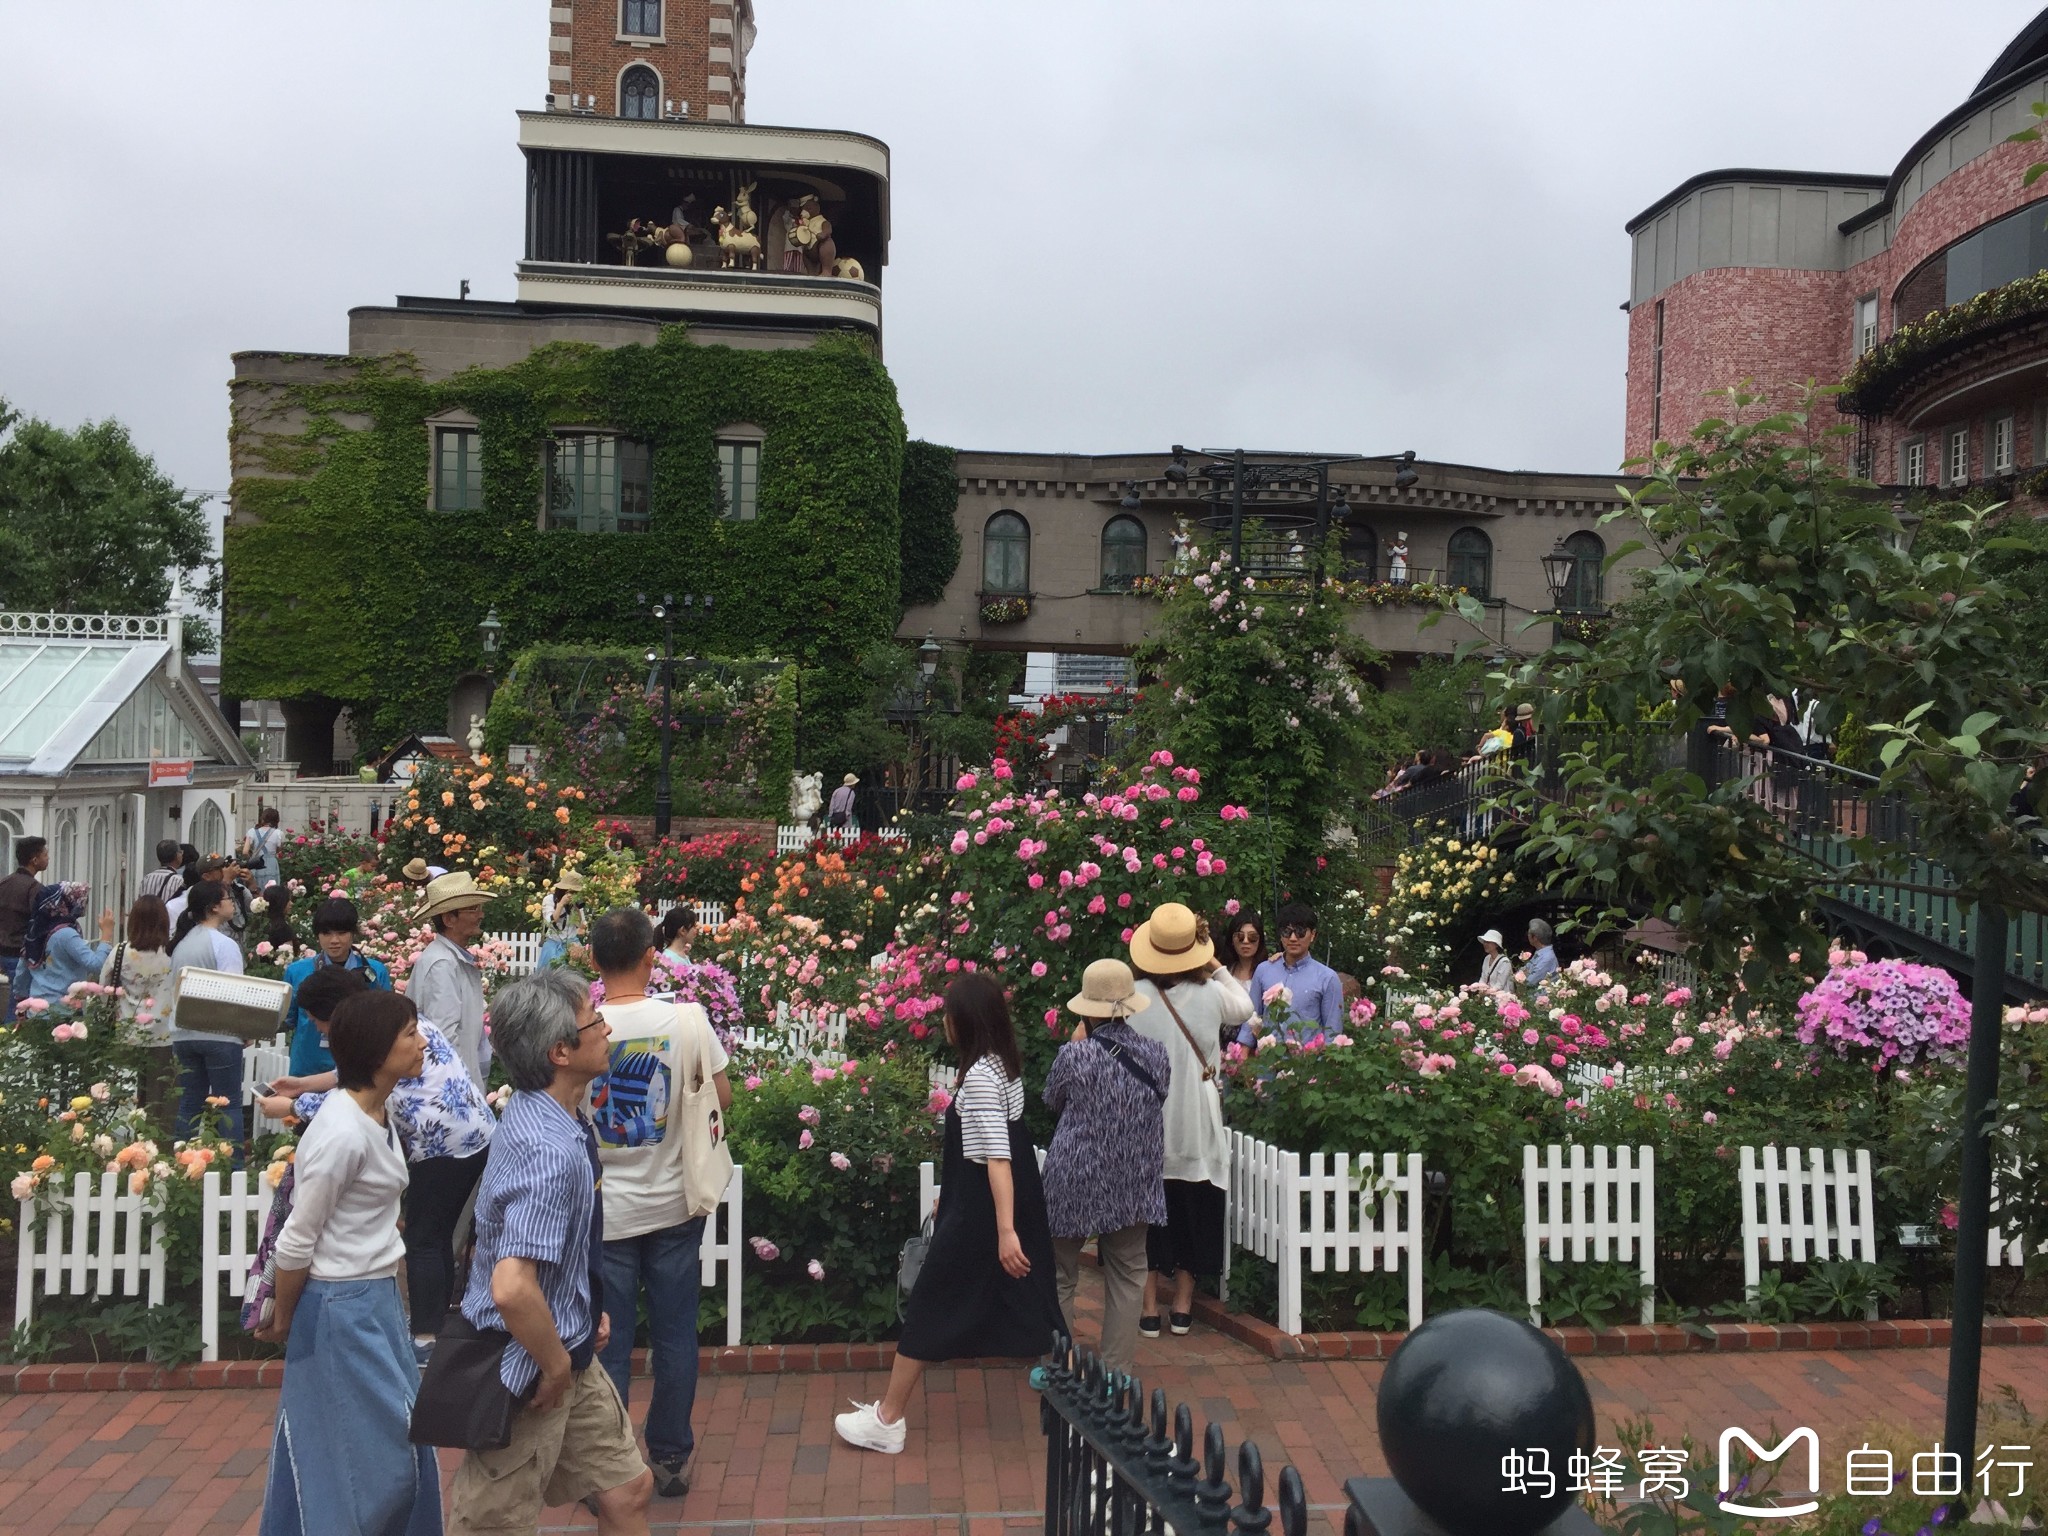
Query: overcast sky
[[1318, 224]]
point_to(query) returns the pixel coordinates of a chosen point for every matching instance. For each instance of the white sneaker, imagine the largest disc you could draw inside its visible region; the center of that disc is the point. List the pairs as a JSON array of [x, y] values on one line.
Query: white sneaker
[[864, 1427]]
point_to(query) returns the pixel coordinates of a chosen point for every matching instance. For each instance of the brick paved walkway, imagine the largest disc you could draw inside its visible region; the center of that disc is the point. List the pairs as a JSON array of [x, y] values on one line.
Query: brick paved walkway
[[185, 1463]]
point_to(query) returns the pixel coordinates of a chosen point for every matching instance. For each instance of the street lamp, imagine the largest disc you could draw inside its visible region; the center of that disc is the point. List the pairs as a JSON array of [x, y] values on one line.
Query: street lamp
[[665, 612], [1558, 568], [928, 663], [487, 633]]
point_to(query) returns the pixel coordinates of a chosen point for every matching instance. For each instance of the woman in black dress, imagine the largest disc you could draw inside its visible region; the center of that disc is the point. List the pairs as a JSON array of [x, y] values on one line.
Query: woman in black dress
[[988, 1288]]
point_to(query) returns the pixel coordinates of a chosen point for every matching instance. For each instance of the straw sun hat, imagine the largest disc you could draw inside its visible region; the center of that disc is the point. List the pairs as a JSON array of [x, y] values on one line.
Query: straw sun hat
[[1108, 991], [1169, 942], [568, 880], [451, 893]]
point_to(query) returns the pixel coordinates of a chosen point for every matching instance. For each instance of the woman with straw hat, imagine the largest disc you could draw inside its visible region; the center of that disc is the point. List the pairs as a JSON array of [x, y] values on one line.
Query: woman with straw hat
[[1103, 1169], [446, 984], [1176, 964], [562, 920]]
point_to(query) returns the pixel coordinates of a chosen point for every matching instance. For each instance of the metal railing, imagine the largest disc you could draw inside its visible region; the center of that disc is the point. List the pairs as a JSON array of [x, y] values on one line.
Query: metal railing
[[1112, 1469], [1823, 808]]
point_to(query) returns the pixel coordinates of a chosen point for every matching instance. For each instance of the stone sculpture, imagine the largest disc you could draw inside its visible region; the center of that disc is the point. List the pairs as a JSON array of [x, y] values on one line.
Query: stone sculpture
[[1397, 560], [806, 796]]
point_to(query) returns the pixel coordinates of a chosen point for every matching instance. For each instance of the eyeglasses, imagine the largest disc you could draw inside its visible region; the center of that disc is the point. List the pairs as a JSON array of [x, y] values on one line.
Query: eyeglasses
[[1295, 931], [596, 1023]]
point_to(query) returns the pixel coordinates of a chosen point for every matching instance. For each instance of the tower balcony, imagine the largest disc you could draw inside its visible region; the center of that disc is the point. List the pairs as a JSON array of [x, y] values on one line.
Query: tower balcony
[[741, 224]]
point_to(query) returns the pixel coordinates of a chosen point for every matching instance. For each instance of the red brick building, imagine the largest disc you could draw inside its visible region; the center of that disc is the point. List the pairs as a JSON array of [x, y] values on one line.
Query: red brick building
[[1782, 276], [651, 59]]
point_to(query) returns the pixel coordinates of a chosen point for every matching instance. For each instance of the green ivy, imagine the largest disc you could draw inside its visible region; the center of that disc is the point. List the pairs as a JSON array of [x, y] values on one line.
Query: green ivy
[[345, 585], [930, 537]]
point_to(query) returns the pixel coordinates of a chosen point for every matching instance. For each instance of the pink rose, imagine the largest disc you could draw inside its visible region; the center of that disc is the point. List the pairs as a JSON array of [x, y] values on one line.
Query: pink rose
[[804, 1142]]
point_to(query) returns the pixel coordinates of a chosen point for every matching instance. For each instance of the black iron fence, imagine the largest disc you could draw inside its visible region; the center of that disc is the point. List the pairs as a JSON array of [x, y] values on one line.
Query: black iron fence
[[1114, 1466]]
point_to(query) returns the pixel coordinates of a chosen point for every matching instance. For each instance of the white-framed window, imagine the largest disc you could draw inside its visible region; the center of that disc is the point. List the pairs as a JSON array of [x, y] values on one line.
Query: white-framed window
[[1998, 457], [1913, 462], [1866, 323], [1955, 456], [739, 479], [458, 469], [640, 18]]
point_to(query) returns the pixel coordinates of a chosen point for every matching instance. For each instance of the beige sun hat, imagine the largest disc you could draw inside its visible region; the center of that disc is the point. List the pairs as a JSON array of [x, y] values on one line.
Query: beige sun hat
[[1170, 941], [1108, 991], [851, 779], [1492, 936], [451, 893], [416, 871], [568, 880]]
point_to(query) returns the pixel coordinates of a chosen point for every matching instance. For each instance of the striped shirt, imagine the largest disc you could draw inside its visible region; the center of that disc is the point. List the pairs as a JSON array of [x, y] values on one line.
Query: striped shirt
[[988, 1102], [163, 884], [538, 1200]]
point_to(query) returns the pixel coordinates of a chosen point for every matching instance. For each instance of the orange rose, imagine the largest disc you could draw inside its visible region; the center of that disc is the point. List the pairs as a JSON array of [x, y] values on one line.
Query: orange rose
[[561, 813], [43, 1163], [447, 797]]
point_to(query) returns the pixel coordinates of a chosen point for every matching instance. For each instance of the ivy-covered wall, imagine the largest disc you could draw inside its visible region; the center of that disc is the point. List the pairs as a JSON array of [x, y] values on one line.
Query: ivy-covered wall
[[930, 537], [348, 587]]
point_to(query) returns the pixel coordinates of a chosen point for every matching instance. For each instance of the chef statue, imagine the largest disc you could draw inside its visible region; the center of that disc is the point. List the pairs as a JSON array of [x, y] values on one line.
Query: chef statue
[[1397, 560]]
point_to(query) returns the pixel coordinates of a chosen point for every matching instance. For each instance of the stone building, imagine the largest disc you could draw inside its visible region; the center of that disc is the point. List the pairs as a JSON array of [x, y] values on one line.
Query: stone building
[[1782, 276]]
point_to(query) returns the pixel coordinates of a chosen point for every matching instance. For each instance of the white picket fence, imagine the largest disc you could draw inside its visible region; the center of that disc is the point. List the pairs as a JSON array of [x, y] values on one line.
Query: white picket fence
[[1602, 1208], [97, 1241], [232, 1229], [264, 1062], [2003, 1251], [1814, 1206], [1331, 1210], [928, 1185], [790, 839], [525, 947]]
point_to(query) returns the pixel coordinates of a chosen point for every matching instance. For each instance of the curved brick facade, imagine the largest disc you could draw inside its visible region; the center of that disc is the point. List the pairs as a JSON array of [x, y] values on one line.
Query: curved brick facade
[[1728, 290]]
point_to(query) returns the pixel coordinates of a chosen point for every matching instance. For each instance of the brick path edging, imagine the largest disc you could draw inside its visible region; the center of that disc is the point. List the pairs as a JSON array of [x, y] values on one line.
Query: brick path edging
[[1659, 1339], [776, 1359]]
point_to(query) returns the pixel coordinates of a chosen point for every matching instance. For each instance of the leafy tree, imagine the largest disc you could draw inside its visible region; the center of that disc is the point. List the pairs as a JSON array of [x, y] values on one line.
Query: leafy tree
[[89, 524], [1259, 680], [1777, 574]]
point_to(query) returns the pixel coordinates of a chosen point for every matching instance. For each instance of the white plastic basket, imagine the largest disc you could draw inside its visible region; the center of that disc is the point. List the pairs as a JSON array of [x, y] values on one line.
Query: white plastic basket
[[223, 1003]]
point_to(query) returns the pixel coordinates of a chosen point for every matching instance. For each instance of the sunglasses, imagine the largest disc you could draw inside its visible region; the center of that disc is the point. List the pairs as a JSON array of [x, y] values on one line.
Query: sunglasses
[[1295, 931]]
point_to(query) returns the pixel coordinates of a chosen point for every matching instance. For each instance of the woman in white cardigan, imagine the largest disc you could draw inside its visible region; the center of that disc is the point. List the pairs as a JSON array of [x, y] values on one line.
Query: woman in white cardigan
[[341, 1458], [1200, 1002]]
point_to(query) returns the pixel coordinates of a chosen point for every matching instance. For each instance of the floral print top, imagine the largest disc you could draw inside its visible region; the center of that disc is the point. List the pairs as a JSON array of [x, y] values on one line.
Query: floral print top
[[1103, 1171], [440, 1113]]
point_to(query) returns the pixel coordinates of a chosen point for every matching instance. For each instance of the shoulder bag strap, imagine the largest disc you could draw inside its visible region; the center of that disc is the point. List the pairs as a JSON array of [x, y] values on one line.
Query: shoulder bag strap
[[120, 956], [1208, 1072], [1123, 1059]]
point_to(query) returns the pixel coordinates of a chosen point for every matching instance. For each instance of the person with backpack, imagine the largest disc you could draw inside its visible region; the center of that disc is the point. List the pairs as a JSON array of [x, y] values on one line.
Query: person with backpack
[[168, 878], [336, 926], [1104, 1169], [260, 846], [660, 1117], [445, 1126], [341, 1457]]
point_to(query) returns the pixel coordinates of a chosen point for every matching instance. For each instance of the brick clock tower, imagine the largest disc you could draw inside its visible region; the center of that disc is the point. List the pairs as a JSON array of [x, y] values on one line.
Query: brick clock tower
[[651, 59]]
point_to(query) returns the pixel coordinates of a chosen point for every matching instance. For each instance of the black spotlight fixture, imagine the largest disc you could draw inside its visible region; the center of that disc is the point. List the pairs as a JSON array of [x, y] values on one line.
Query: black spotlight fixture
[[1130, 501], [1177, 466], [1405, 476]]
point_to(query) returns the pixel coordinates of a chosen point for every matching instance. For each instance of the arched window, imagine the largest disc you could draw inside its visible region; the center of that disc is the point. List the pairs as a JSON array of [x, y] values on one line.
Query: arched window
[[99, 860], [640, 93], [1361, 553], [11, 832], [1586, 591], [1471, 562], [209, 832], [1123, 552], [64, 848], [1006, 554]]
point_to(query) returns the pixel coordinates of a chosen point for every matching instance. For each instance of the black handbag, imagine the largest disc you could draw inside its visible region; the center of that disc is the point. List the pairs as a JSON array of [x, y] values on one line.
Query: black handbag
[[909, 1265], [463, 1401]]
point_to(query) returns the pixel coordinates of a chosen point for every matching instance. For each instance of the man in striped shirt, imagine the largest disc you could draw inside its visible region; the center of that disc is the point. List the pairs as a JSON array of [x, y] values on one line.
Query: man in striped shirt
[[537, 1274], [168, 878]]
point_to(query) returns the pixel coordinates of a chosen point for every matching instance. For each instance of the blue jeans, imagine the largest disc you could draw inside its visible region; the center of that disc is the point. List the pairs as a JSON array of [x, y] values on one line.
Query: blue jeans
[[15, 990], [668, 1263], [209, 1068]]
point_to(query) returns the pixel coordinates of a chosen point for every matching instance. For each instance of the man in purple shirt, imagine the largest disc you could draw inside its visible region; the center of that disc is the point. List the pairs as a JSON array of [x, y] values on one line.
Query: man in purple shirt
[[1315, 991]]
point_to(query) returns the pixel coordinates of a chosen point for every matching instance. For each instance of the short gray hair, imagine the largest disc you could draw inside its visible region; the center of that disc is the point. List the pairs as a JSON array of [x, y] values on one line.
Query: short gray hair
[[531, 1017], [1539, 930]]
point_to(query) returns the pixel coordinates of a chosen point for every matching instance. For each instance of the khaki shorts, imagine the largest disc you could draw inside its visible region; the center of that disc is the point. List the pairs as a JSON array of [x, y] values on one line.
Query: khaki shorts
[[585, 1446]]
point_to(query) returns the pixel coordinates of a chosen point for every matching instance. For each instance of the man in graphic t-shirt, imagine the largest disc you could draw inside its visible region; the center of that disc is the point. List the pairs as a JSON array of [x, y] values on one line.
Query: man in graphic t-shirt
[[660, 1117]]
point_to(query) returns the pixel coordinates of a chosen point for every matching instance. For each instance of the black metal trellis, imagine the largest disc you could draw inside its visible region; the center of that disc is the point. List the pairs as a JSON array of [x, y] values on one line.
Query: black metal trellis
[[1112, 1469]]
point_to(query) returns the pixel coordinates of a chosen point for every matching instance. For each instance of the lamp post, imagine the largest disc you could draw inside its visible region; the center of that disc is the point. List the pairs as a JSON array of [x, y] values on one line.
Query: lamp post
[[665, 612], [1558, 568], [488, 631]]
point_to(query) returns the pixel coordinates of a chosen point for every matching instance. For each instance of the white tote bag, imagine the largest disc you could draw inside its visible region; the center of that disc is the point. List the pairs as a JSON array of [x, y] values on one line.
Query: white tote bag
[[703, 1156]]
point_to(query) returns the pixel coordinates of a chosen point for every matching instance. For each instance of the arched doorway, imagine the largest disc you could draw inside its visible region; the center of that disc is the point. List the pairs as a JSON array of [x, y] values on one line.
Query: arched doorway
[[468, 699]]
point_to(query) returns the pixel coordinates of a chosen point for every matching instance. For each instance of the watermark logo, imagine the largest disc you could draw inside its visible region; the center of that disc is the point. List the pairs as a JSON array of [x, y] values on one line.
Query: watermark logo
[[1730, 1484]]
